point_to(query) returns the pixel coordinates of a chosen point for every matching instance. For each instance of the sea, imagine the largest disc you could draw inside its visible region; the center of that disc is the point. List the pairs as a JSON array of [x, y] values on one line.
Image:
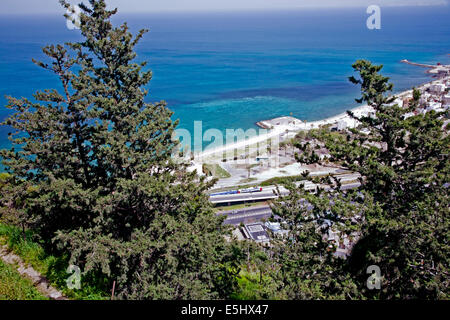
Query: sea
[[232, 69]]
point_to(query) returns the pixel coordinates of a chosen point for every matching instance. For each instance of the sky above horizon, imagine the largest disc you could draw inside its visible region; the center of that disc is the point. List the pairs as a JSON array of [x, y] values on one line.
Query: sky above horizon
[[140, 6]]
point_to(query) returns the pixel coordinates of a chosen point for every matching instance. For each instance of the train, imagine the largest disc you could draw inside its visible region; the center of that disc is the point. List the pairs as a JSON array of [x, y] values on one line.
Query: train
[[239, 191]]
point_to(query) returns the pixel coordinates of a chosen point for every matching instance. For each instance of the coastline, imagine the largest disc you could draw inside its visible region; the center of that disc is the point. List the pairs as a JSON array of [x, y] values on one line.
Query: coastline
[[280, 126], [359, 111]]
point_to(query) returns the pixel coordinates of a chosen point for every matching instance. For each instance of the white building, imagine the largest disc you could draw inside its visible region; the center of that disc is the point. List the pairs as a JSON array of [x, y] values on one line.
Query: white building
[[447, 83], [424, 98], [436, 106], [408, 115], [275, 227], [342, 125], [446, 100], [437, 88], [398, 102], [365, 131]]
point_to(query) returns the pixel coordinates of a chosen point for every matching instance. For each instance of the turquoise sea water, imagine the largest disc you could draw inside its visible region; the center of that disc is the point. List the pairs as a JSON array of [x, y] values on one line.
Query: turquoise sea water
[[230, 70]]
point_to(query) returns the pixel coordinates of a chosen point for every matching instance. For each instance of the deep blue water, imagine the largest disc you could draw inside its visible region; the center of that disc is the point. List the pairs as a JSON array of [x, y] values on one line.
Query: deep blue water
[[230, 70]]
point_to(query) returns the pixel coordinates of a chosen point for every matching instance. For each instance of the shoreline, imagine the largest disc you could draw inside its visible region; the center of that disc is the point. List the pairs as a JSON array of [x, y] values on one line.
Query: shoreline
[[287, 124], [343, 116]]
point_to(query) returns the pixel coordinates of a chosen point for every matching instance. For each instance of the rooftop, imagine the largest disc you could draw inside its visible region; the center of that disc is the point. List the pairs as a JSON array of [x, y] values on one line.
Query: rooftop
[[257, 232]]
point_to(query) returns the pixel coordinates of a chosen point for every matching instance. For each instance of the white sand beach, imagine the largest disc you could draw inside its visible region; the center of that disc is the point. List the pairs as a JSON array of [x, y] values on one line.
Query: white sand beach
[[278, 127], [291, 125]]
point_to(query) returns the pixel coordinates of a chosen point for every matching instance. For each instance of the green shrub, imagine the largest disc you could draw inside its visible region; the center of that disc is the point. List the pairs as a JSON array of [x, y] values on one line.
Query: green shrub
[[52, 267]]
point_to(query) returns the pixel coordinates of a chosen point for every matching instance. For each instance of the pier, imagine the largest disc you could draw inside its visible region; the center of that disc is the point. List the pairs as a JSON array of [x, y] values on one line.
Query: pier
[[438, 69], [419, 64]]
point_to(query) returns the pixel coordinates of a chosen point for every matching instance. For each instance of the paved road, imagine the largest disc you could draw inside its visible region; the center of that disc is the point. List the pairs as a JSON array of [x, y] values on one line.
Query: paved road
[[236, 217], [253, 214]]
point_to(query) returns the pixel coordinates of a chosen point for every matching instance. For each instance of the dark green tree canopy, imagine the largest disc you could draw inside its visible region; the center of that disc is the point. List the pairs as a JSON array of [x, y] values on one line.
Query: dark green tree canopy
[[398, 216], [94, 173]]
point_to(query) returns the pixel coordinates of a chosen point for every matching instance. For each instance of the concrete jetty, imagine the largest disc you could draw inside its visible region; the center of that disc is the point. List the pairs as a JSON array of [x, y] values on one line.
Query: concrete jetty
[[438, 69]]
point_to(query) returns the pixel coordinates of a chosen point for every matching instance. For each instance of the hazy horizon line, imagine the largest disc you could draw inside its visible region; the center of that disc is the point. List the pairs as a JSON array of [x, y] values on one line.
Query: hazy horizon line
[[237, 10]]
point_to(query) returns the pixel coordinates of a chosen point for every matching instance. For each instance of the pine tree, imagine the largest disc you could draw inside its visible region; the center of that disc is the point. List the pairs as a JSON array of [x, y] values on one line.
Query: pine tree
[[105, 188], [405, 165], [400, 209]]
